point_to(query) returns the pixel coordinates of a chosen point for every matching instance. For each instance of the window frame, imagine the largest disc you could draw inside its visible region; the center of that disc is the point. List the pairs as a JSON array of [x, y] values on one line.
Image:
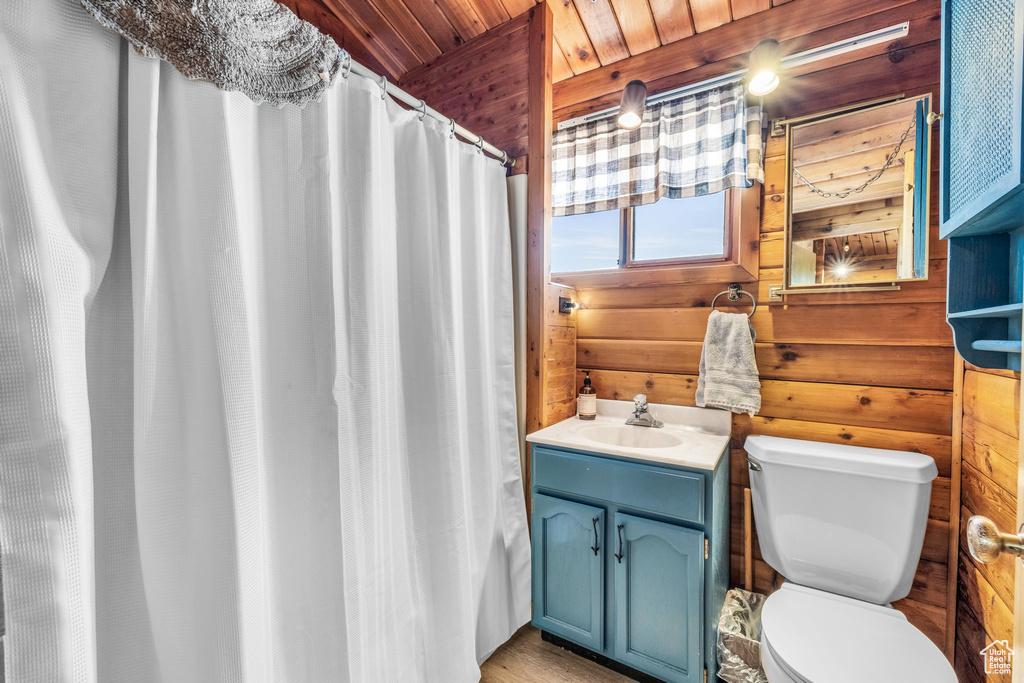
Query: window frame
[[627, 242], [739, 263]]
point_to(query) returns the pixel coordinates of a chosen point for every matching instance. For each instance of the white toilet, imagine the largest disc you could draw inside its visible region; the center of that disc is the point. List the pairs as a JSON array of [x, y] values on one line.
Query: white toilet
[[845, 526]]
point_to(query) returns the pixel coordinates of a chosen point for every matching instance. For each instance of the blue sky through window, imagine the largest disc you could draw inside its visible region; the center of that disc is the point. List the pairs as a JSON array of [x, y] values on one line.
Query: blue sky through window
[[669, 228], [680, 228], [588, 241]]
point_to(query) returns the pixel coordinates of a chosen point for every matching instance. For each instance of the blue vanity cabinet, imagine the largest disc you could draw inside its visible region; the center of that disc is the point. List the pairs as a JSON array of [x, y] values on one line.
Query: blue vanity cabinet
[[568, 570], [650, 595], [659, 595]]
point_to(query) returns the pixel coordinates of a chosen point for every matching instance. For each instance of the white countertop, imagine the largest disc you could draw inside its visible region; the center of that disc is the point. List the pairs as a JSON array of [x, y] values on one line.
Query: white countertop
[[691, 437]]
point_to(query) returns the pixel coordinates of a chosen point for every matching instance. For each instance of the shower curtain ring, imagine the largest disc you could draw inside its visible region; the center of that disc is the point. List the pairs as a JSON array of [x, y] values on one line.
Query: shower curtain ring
[[383, 86], [346, 65], [480, 145], [451, 126], [422, 109], [504, 158]]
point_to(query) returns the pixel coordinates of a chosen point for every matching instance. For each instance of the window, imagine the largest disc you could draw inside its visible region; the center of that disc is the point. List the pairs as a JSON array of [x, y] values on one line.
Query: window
[[670, 231], [678, 230], [586, 241]]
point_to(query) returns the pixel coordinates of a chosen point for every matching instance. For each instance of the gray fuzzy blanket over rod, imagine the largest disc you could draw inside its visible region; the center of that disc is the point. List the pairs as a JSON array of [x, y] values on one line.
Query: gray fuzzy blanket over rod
[[257, 47]]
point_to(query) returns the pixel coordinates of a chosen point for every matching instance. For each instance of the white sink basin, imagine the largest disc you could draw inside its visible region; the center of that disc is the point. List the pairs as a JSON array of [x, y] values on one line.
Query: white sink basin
[[630, 436], [691, 437]]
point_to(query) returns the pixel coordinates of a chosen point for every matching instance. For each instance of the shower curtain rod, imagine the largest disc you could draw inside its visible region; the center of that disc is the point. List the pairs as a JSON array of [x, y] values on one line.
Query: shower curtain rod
[[349, 65]]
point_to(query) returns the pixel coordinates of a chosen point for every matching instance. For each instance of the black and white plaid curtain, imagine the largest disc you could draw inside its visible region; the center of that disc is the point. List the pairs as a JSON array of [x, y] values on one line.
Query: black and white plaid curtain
[[694, 145]]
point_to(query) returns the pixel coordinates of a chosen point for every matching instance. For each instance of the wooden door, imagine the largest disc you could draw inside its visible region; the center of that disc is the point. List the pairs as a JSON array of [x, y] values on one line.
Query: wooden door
[[659, 596], [568, 570]]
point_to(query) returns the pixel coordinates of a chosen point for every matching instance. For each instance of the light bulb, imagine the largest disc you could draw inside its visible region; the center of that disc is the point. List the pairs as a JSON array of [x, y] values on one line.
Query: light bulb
[[763, 83], [631, 108], [763, 67], [629, 120]]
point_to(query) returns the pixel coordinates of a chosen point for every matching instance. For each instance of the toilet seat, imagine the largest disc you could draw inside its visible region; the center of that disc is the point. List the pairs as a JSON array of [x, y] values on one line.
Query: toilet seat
[[776, 669], [817, 637]]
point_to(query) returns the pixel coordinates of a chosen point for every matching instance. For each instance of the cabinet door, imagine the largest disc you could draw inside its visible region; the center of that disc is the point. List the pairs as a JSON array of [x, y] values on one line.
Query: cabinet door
[[568, 570], [982, 60], [659, 598]]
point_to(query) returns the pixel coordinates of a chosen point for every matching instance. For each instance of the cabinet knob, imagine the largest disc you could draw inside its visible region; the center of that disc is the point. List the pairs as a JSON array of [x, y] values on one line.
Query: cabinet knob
[[986, 542]]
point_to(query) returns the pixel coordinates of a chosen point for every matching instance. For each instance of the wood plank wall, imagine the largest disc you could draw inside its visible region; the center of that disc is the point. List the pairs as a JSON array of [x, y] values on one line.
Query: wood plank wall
[[869, 369], [989, 410], [561, 385], [483, 84]]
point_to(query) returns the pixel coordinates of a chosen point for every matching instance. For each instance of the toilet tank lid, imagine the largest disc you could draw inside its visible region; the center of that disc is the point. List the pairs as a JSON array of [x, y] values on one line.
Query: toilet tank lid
[[869, 462]]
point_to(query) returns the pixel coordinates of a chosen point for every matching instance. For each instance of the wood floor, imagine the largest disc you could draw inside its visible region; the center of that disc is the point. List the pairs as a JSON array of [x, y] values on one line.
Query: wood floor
[[526, 658]]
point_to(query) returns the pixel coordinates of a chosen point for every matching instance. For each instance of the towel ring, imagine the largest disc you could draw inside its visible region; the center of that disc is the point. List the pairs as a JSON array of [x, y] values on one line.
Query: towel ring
[[733, 294]]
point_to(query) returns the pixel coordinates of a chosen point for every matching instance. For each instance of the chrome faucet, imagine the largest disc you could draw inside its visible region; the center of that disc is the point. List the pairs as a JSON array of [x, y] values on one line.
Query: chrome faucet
[[640, 416]]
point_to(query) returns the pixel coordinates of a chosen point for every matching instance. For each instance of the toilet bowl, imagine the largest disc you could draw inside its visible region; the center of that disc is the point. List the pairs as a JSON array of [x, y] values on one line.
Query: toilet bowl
[[845, 525], [811, 636]]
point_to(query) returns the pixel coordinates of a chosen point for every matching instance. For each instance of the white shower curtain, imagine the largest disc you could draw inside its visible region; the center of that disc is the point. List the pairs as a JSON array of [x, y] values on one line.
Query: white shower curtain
[[257, 403]]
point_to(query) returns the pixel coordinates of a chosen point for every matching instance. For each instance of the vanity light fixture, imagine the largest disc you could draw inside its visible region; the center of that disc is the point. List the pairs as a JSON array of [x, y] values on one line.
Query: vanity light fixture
[[876, 37], [631, 108], [763, 69]]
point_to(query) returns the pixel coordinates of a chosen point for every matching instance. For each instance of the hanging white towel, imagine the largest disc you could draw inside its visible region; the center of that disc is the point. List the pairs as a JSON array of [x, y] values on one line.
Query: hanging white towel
[[728, 371]]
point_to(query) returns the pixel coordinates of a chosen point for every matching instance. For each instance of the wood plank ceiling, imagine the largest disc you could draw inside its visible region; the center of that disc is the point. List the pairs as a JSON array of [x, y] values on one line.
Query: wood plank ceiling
[[399, 35]]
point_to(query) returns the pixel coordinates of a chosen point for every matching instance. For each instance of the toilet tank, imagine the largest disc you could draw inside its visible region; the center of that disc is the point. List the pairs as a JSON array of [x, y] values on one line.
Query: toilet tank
[[843, 519]]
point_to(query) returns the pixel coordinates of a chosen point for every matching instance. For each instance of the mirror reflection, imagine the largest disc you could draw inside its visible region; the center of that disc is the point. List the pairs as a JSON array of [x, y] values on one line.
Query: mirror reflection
[[858, 196]]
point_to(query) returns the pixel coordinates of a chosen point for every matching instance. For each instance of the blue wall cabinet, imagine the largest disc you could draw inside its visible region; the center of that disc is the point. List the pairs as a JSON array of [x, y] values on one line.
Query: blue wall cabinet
[[650, 595], [568, 579], [659, 590], [982, 177], [982, 187]]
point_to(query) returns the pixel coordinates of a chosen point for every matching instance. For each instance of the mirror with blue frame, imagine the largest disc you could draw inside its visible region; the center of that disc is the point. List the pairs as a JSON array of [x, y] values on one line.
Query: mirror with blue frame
[[857, 196]]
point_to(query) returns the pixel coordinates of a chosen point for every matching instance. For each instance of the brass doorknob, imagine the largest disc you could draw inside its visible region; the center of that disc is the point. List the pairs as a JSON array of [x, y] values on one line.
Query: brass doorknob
[[986, 542]]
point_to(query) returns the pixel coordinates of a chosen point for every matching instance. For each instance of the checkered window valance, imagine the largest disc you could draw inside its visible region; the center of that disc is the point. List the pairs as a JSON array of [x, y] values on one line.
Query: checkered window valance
[[694, 145]]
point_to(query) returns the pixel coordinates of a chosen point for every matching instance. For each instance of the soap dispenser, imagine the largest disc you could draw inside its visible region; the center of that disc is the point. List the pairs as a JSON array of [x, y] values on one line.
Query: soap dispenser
[[586, 404]]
